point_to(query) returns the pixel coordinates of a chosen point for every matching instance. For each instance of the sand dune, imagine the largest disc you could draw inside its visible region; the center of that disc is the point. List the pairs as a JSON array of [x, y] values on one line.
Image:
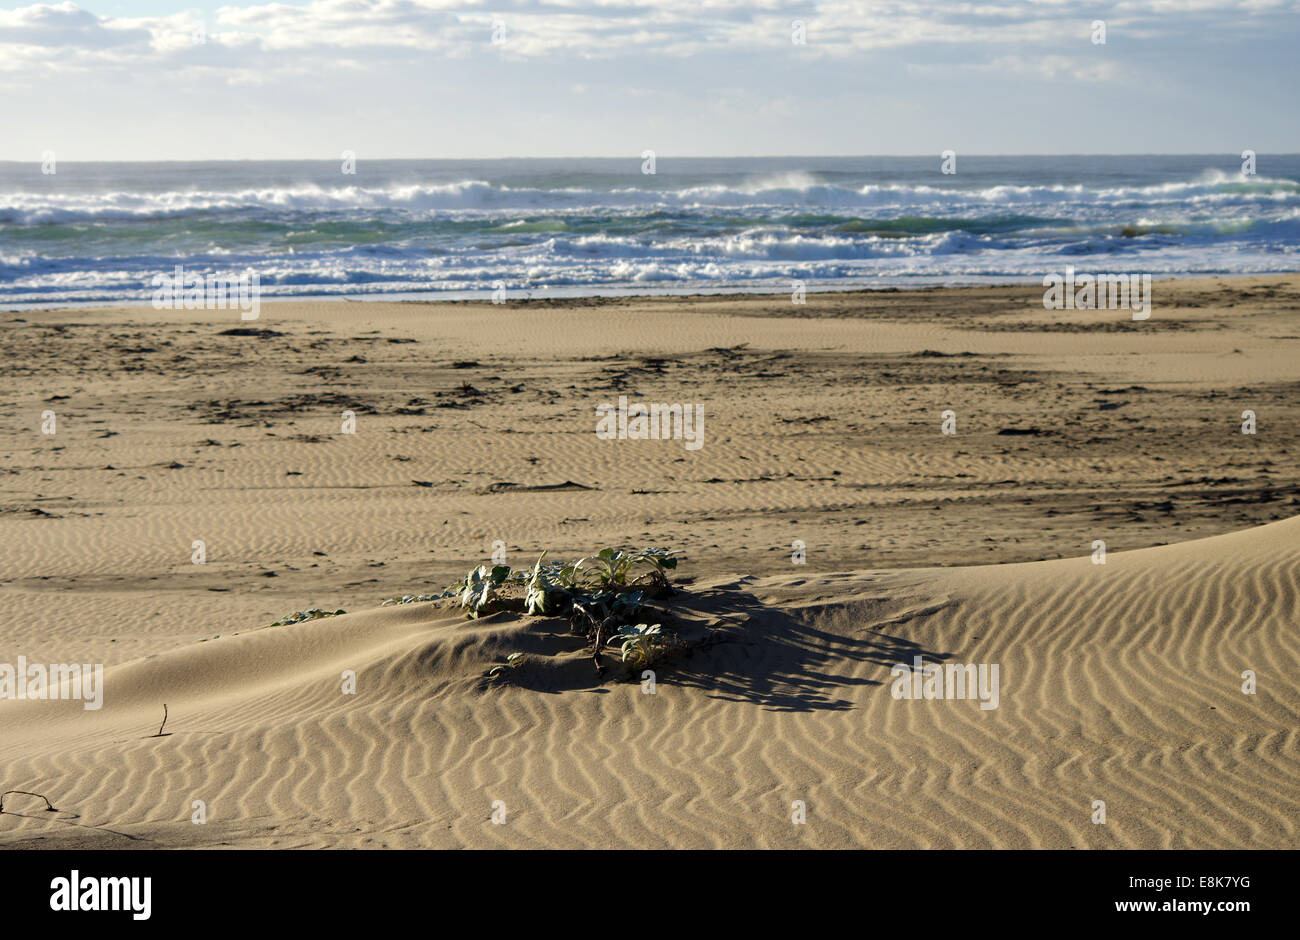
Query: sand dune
[[1120, 682]]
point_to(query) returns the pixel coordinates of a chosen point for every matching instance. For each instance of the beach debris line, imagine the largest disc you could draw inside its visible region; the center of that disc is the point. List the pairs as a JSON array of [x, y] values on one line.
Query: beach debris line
[[538, 488]]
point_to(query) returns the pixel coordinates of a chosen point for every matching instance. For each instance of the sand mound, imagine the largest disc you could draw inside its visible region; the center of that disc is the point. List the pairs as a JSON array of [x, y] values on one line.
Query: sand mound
[[1119, 682]]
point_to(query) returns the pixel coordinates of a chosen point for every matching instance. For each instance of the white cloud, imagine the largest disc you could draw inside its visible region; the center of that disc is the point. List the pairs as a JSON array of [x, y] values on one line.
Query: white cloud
[[595, 28], [422, 77]]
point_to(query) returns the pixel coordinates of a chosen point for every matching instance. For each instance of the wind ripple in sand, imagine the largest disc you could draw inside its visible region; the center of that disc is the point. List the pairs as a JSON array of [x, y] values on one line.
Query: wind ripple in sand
[[1120, 682]]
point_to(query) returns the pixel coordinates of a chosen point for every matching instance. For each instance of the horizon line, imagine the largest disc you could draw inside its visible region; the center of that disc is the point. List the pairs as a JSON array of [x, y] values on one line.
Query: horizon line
[[660, 157]]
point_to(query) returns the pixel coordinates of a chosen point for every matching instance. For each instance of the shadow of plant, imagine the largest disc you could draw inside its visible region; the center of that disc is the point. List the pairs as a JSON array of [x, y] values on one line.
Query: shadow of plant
[[742, 650], [789, 663]]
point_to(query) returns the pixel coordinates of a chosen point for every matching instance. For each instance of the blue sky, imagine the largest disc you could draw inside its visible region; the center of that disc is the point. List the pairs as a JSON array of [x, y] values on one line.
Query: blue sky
[[423, 78]]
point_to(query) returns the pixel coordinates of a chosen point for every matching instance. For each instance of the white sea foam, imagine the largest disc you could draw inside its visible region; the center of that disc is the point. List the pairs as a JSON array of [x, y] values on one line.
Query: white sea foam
[[470, 195], [406, 229]]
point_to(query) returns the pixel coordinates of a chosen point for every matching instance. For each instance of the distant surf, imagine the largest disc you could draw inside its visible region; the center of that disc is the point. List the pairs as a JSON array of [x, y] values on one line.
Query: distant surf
[[99, 233]]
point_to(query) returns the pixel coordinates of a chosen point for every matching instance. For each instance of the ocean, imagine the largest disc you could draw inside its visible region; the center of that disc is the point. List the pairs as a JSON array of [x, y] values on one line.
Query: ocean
[[101, 232]]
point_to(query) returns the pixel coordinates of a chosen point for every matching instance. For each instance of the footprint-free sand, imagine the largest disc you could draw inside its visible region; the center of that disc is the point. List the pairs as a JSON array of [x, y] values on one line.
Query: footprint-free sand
[[822, 442]]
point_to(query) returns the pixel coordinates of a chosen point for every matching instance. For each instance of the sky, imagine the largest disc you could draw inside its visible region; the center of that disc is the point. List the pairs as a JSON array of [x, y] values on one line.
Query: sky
[[152, 80]]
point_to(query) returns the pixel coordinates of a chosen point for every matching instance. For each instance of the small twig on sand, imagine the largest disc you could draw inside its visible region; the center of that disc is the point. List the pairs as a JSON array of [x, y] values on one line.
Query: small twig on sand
[[49, 807], [164, 724]]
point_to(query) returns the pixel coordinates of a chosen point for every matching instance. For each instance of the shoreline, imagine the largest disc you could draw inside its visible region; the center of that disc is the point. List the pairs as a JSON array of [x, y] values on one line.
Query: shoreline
[[615, 295]]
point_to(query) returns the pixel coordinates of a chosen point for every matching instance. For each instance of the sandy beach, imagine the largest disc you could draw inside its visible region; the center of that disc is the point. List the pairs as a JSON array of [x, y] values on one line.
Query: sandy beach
[[829, 529]]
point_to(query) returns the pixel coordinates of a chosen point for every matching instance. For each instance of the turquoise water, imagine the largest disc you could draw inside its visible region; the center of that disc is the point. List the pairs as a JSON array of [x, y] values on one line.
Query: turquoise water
[[101, 232]]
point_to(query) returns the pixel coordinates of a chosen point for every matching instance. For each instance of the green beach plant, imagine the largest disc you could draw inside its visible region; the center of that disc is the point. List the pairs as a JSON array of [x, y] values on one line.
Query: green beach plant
[[648, 644], [503, 670], [548, 590], [479, 594], [299, 616], [604, 597], [612, 567]]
